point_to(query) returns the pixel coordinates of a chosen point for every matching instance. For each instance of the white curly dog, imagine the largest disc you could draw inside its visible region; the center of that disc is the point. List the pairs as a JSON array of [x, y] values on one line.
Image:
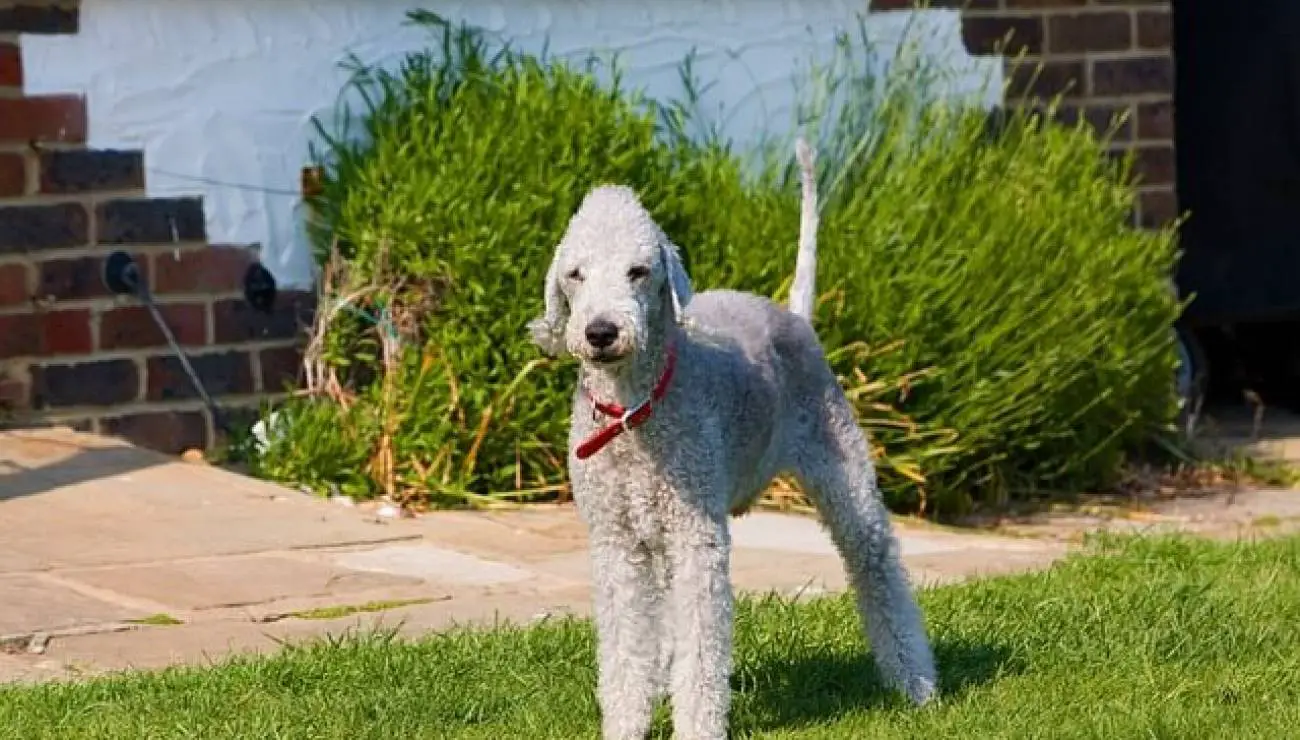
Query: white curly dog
[[687, 408]]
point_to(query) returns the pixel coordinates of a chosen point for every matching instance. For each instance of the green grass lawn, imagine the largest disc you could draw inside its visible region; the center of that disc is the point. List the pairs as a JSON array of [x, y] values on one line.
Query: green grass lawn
[[1161, 638]]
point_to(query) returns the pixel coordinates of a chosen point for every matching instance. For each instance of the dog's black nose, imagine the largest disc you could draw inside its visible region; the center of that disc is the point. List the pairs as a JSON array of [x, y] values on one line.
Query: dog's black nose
[[601, 333]]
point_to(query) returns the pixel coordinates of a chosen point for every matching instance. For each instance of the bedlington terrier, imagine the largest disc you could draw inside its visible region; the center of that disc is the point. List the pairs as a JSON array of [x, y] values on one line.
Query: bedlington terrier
[[687, 408]]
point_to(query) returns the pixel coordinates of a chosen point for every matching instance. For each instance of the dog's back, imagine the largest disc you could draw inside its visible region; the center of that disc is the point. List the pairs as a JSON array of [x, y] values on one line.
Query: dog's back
[[762, 373]]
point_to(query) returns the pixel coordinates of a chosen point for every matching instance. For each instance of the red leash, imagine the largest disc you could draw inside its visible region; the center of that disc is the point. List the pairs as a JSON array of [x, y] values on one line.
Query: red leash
[[627, 418]]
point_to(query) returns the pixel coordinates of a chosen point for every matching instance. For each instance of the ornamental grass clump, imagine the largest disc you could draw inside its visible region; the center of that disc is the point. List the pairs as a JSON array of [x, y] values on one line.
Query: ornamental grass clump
[[1001, 327]]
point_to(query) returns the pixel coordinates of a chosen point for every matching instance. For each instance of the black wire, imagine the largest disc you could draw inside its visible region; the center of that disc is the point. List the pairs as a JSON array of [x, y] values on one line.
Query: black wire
[[132, 276]]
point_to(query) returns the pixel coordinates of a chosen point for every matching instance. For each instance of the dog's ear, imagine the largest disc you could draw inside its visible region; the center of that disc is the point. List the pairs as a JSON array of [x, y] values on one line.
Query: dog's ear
[[548, 329], [678, 282]]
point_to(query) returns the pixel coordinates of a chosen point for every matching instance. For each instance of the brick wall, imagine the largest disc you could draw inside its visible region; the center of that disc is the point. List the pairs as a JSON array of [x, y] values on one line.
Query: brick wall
[[70, 352], [1105, 57]]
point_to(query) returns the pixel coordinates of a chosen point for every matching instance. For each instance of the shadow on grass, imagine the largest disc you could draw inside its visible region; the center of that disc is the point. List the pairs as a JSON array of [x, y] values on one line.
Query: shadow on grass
[[821, 689]]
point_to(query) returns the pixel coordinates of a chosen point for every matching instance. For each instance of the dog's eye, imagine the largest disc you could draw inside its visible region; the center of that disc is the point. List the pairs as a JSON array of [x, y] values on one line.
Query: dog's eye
[[639, 272], [575, 275]]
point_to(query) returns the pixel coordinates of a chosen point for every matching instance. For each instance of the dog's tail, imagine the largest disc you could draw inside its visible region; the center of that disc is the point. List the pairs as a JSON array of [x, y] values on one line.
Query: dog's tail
[[803, 293]]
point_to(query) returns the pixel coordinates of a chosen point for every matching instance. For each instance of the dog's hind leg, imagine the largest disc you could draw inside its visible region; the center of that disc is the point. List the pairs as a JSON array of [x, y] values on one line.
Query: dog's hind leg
[[833, 463]]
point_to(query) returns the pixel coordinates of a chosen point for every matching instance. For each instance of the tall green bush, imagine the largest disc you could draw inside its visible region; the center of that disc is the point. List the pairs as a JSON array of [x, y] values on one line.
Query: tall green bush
[[1001, 326]]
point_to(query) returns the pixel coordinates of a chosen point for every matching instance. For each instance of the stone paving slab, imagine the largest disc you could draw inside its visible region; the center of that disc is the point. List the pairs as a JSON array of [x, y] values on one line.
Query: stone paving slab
[[523, 534], [785, 573], [754, 570], [71, 500], [1221, 515], [438, 564], [791, 534], [29, 603], [234, 582]]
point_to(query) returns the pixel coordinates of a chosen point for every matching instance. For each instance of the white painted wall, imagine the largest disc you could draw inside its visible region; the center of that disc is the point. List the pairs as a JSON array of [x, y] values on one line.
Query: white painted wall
[[219, 93]]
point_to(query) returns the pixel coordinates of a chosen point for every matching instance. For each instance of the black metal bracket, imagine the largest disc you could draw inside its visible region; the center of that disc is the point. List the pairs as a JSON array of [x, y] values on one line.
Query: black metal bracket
[[259, 287], [121, 274]]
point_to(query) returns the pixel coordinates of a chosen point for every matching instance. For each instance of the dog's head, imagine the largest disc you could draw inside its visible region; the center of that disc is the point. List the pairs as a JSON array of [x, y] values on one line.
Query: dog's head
[[614, 284]]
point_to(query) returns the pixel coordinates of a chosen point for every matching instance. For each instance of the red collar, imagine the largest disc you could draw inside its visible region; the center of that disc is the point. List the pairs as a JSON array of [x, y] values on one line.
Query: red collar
[[627, 418]]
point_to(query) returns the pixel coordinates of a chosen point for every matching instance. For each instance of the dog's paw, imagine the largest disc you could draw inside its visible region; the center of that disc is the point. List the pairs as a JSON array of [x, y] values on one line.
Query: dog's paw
[[921, 690]]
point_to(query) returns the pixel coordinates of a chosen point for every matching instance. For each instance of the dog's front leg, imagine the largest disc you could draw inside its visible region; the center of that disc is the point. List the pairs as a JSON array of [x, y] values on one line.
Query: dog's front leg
[[627, 603], [701, 613]]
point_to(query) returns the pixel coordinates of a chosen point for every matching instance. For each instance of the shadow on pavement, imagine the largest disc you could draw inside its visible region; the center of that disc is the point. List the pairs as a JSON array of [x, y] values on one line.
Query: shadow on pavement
[[20, 476]]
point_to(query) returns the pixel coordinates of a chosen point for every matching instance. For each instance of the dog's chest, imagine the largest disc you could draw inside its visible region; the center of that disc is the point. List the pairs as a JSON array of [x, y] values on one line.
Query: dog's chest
[[624, 488]]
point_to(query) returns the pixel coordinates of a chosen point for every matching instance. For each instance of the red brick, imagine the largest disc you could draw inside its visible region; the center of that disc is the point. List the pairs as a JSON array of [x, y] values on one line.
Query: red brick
[[44, 118], [73, 279], [1101, 118], [67, 333], [1155, 29], [1001, 35], [11, 66], [1054, 78], [13, 394], [98, 383], [14, 285], [1141, 75], [203, 270], [1157, 208], [45, 333], [1154, 165], [1045, 4], [13, 174], [151, 221], [26, 229], [222, 374], [20, 336], [39, 16], [131, 327], [77, 278], [884, 5], [91, 171], [1076, 33], [169, 432], [235, 321], [1156, 120], [281, 368]]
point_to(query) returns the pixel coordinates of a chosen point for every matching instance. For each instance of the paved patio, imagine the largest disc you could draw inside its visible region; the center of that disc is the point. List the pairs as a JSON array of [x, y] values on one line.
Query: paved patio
[[113, 557]]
